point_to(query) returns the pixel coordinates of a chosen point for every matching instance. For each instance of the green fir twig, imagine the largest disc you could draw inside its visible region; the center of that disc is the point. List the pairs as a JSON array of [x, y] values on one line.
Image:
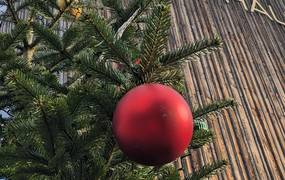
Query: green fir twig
[[207, 170], [201, 137], [190, 51], [214, 107]]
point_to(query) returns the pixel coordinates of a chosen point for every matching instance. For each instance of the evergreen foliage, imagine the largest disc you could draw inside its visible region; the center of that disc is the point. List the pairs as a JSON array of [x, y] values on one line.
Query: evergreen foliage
[[207, 170], [62, 130]]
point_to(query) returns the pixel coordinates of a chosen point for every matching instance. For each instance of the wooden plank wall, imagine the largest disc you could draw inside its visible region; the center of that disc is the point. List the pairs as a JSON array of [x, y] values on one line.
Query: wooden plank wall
[[251, 69]]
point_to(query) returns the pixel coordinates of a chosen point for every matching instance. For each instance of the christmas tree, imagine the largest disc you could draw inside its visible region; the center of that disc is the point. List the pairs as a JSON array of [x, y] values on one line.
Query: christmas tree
[[63, 129]]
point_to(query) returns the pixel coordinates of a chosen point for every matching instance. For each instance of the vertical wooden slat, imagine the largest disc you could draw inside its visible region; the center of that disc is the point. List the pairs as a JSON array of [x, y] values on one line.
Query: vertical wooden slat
[[249, 68]]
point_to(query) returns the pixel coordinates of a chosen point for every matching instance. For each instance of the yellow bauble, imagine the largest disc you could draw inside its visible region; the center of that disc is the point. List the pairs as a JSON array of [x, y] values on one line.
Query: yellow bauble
[[62, 3], [76, 12]]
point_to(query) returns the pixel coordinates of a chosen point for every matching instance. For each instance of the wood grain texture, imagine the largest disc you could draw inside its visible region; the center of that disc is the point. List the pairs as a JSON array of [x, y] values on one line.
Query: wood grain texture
[[251, 69]]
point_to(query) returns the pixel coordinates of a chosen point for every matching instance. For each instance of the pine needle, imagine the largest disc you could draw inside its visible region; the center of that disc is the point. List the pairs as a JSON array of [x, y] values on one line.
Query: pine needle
[[190, 51], [214, 107], [200, 138], [207, 170]]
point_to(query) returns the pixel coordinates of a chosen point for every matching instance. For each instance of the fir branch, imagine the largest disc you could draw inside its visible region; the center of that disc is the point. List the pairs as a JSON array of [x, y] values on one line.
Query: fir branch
[[55, 43], [118, 158], [59, 64], [43, 7], [10, 6], [50, 37], [190, 51], [74, 99], [20, 154], [15, 63], [50, 26], [102, 70], [14, 36], [6, 55], [122, 29], [24, 83], [167, 172], [108, 153], [37, 93], [112, 47], [44, 55], [49, 80], [121, 170], [207, 170], [21, 125], [70, 36], [155, 37], [214, 107], [107, 72], [34, 169], [200, 138], [113, 4], [99, 99], [133, 6], [50, 143], [164, 76], [24, 4], [30, 155], [37, 73], [81, 44]]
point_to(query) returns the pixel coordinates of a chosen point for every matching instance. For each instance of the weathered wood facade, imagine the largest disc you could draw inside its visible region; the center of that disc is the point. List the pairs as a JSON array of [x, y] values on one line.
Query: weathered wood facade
[[251, 69]]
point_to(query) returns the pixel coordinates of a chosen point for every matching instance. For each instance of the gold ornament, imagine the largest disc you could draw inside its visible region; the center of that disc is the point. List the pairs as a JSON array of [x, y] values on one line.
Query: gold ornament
[[73, 11], [61, 4]]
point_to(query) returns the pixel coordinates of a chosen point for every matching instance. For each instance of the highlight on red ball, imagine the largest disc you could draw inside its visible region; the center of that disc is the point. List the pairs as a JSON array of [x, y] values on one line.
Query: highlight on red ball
[[153, 124]]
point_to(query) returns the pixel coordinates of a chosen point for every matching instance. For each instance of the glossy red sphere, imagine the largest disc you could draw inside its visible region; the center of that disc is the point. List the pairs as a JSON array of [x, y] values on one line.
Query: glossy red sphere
[[153, 124]]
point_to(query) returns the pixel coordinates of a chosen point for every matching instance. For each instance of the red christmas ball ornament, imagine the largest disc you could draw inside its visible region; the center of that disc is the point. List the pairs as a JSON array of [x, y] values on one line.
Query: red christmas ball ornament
[[153, 124]]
